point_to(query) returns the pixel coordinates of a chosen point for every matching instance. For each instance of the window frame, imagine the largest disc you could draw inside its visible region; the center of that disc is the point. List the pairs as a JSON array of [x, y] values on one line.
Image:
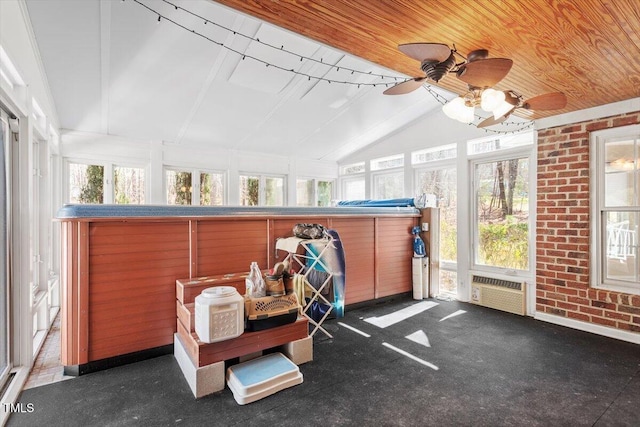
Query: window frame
[[195, 183], [345, 179], [446, 266], [519, 152], [315, 181], [598, 209], [375, 175], [108, 186], [262, 189]]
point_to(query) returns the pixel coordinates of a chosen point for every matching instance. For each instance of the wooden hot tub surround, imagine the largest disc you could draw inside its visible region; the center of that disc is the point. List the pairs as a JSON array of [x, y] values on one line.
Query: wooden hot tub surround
[[120, 264]]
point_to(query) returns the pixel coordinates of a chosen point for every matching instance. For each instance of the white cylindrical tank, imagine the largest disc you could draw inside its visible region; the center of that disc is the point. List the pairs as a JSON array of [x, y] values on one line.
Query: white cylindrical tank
[[219, 314]]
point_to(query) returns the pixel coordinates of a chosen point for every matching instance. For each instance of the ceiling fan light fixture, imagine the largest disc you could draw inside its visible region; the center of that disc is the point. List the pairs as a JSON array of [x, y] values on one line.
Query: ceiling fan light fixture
[[503, 108], [458, 109], [491, 99]]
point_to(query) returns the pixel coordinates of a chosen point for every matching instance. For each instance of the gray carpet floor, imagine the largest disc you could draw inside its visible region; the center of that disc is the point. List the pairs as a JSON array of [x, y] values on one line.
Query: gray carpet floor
[[480, 367]]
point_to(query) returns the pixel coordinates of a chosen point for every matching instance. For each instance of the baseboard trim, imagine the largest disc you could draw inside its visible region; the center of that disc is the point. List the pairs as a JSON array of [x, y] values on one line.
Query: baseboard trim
[[112, 362], [606, 331]]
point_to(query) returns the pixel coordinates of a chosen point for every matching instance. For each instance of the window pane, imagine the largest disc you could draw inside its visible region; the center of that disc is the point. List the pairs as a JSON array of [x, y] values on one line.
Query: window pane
[[487, 145], [274, 191], [211, 189], [621, 173], [433, 154], [443, 183], [352, 168], [128, 185], [388, 186], [304, 192], [353, 189], [448, 282], [86, 183], [394, 161], [502, 209], [179, 187], [249, 190], [325, 193], [621, 234]]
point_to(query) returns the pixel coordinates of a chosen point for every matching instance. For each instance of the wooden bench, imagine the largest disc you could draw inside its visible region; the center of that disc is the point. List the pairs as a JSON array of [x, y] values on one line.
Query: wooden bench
[[203, 364]]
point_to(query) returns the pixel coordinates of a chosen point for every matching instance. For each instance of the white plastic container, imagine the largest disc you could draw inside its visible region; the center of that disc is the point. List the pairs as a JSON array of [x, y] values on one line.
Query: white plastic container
[[219, 314]]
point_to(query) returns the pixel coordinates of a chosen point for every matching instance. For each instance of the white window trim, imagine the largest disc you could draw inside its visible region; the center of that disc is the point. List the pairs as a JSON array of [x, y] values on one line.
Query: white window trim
[[596, 172]]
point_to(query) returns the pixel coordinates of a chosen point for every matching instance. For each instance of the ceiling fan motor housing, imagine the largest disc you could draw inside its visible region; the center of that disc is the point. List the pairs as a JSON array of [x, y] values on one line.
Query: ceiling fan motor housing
[[436, 70]]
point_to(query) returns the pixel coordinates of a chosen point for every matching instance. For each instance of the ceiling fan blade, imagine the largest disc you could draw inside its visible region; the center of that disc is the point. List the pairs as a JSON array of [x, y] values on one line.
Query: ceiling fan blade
[[547, 101], [426, 51], [484, 72], [490, 121], [405, 87]]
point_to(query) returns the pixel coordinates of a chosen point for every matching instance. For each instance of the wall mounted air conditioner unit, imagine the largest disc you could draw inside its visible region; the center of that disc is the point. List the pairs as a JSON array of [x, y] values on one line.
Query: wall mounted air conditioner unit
[[500, 294]]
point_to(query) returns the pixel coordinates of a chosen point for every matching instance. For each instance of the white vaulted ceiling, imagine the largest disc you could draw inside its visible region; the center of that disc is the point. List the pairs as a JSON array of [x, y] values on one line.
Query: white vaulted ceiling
[[114, 69]]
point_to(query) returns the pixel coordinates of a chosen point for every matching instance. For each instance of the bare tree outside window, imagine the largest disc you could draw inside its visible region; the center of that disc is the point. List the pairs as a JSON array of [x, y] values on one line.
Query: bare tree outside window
[[128, 185], [304, 192], [249, 190], [179, 187], [211, 189], [502, 203]]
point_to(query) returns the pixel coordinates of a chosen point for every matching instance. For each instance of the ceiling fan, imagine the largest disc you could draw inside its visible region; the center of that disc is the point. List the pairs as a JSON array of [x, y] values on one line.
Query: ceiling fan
[[480, 73]]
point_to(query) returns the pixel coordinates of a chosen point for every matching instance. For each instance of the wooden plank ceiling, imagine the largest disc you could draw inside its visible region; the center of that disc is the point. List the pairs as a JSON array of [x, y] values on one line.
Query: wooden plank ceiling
[[588, 49]]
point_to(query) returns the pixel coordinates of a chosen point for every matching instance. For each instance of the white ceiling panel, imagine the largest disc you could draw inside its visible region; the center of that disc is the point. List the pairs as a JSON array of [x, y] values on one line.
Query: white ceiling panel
[[254, 74], [114, 69]]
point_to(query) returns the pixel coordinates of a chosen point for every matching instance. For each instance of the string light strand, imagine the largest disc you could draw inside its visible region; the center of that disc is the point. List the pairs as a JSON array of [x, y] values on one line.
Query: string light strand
[[438, 97]]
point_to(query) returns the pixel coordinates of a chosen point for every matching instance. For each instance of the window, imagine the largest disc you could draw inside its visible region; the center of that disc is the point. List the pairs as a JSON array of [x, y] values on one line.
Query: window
[[435, 173], [388, 185], [128, 185], [324, 193], [86, 183], [182, 189], [390, 162], [105, 183], [501, 188], [211, 189], [313, 192], [615, 155], [502, 213], [353, 188], [179, 187], [259, 190], [351, 169], [388, 177], [5, 202], [434, 154]]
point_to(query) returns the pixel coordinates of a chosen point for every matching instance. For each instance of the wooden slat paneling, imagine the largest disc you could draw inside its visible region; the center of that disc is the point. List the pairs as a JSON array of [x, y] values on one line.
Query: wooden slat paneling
[[132, 314], [590, 49], [358, 242], [119, 277], [395, 250], [231, 246]]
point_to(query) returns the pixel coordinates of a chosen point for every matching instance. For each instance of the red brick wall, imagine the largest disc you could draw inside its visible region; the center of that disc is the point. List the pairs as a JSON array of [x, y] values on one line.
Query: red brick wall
[[562, 236]]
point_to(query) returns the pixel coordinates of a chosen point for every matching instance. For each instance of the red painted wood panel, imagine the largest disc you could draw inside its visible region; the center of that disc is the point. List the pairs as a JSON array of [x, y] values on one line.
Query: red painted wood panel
[[358, 243], [230, 246], [119, 276], [395, 250], [132, 293]]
